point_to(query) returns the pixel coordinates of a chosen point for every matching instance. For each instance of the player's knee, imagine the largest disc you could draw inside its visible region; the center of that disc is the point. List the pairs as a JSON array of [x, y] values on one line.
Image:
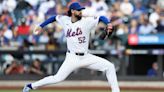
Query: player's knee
[[113, 67], [110, 66]]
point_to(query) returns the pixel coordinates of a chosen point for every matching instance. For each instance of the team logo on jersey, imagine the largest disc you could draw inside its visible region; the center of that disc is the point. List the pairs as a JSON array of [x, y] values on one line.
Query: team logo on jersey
[[72, 34]]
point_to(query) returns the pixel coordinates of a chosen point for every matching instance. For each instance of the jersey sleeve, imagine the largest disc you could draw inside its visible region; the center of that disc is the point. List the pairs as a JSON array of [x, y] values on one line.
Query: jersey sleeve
[[60, 19], [93, 21]]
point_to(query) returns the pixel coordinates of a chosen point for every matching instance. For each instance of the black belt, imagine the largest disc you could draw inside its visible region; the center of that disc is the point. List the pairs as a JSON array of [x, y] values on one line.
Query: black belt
[[79, 54]]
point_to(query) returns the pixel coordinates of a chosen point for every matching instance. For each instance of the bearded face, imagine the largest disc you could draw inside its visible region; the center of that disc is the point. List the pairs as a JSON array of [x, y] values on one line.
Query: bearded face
[[77, 14]]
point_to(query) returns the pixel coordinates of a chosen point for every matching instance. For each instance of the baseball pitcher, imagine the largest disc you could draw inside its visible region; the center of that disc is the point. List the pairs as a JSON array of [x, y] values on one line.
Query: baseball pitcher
[[77, 31]]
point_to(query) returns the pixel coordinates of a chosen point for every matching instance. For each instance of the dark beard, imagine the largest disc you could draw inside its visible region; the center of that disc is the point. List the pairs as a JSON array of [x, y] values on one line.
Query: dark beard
[[78, 17]]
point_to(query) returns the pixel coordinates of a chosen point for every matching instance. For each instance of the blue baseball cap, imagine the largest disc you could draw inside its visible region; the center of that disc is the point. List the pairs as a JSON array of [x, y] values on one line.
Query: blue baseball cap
[[76, 6]]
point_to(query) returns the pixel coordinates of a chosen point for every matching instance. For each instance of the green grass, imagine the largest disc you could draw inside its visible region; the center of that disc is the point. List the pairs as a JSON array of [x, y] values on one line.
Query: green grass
[[77, 91]]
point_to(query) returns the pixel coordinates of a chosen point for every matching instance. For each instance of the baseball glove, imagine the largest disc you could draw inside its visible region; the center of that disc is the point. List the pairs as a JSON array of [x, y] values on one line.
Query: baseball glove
[[106, 33]]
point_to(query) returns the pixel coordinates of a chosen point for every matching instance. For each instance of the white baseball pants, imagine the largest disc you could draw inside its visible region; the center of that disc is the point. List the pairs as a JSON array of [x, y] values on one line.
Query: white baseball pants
[[73, 62]]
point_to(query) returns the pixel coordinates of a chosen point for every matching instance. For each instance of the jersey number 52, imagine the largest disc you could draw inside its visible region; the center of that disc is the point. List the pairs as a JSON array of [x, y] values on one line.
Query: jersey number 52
[[82, 39]]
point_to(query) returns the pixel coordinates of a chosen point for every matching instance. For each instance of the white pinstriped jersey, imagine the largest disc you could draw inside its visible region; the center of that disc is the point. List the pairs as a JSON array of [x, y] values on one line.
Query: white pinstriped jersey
[[77, 33]]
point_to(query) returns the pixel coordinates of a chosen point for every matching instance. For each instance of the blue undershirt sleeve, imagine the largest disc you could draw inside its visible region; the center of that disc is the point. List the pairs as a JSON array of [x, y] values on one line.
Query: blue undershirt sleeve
[[49, 20], [104, 19]]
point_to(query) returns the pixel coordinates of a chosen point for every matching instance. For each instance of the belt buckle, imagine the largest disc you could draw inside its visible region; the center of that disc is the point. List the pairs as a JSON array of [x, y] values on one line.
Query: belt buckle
[[80, 54]]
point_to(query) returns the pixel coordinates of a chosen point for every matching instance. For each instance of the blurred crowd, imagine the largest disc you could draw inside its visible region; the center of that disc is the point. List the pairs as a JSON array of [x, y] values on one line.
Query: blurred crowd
[[14, 66], [18, 18]]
